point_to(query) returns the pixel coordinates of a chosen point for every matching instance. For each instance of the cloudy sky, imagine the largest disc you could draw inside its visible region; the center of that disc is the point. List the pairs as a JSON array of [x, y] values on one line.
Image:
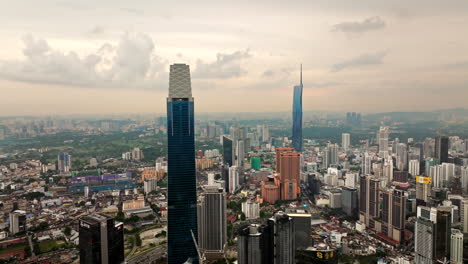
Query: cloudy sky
[[87, 56]]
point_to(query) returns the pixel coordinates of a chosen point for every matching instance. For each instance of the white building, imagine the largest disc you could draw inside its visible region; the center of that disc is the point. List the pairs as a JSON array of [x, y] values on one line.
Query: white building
[[251, 209], [345, 141], [233, 179], [456, 247], [414, 167], [150, 185]]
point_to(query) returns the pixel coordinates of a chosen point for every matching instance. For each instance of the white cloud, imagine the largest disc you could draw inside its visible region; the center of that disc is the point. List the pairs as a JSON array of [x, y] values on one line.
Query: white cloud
[[361, 60], [130, 63], [227, 65], [369, 24]]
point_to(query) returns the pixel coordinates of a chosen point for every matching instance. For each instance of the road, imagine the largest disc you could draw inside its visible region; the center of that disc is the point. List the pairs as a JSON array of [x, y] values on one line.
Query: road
[[149, 256]]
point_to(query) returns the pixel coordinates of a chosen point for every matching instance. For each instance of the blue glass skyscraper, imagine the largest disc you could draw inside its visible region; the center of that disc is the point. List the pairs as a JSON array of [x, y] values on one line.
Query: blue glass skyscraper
[[297, 117], [182, 193]]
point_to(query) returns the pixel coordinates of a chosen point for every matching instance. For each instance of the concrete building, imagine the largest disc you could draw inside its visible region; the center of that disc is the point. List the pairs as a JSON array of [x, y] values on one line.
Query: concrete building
[[456, 247], [17, 221], [251, 209], [349, 201]]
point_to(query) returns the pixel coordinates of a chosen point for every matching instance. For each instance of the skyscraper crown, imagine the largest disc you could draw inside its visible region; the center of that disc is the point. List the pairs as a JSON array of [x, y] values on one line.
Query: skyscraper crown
[[179, 81]]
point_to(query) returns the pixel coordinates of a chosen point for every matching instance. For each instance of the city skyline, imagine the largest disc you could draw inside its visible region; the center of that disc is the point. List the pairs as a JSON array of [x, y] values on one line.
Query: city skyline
[[114, 62]]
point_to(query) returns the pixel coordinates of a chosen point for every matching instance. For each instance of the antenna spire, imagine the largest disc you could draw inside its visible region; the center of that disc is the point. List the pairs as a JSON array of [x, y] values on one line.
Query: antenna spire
[[301, 73]]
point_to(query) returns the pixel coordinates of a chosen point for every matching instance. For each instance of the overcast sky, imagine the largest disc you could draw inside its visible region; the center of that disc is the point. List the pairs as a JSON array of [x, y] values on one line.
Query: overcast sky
[[88, 56]]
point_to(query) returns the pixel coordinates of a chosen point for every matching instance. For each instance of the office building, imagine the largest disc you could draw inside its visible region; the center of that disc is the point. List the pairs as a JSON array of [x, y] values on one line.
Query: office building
[[349, 201], [297, 116], [464, 179], [17, 222], [441, 148], [424, 235], [369, 195], [182, 193], [283, 236], [393, 214], [443, 233], [63, 162], [254, 245], [101, 240], [456, 247], [413, 167], [212, 229], [228, 151], [345, 141], [302, 228], [330, 155]]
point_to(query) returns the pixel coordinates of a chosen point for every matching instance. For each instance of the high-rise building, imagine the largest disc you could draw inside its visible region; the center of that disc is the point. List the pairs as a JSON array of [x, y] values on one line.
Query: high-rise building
[[271, 189], [212, 230], [366, 164], [278, 156], [442, 232], [284, 244], [150, 185], [228, 151], [290, 173], [414, 167], [255, 245], [17, 222], [297, 116], [464, 178], [393, 214], [137, 154], [330, 155], [369, 195], [251, 209], [233, 179], [345, 141], [240, 153], [441, 148], [182, 187], [266, 133], [382, 140], [424, 235], [401, 156], [349, 201], [101, 240], [63, 162], [302, 228], [456, 247]]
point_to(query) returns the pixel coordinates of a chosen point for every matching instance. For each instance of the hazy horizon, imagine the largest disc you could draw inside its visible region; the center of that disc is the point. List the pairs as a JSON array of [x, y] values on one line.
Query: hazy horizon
[[107, 57]]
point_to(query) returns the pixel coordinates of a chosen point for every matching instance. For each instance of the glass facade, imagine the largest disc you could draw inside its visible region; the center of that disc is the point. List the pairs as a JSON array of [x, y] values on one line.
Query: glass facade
[[297, 117], [182, 194]]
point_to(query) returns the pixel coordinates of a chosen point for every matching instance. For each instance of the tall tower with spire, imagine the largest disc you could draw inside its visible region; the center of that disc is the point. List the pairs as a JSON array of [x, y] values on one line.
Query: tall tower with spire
[[297, 116]]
